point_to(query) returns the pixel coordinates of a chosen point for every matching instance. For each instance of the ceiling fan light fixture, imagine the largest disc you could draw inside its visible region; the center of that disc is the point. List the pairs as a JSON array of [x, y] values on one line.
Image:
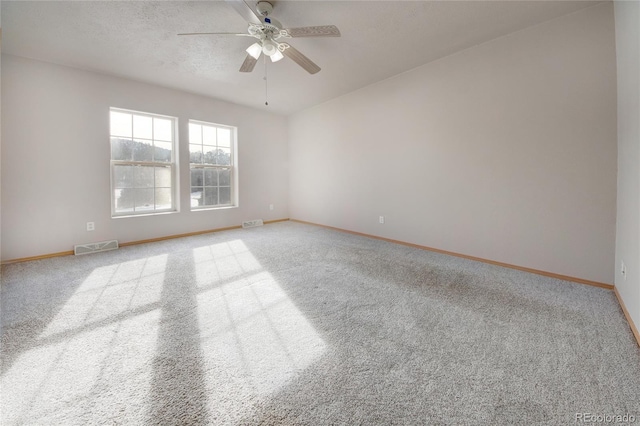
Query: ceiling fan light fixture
[[269, 48], [254, 50], [276, 56], [268, 31]]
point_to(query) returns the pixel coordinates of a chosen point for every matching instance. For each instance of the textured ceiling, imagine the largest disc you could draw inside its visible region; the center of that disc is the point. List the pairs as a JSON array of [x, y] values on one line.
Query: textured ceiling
[[137, 40]]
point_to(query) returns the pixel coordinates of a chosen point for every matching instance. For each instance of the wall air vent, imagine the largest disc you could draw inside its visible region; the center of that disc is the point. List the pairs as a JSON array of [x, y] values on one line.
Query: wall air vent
[[95, 247], [252, 223]]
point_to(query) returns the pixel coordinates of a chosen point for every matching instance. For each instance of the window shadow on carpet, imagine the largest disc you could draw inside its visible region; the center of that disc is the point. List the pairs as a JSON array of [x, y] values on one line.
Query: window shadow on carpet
[[177, 389]]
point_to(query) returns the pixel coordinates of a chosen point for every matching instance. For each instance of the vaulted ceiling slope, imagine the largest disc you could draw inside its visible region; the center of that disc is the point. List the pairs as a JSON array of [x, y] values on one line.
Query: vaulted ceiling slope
[[137, 40]]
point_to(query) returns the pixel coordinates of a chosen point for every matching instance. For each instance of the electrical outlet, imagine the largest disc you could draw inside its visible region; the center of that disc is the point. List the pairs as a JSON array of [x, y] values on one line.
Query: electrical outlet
[[381, 219], [270, 206], [623, 270], [91, 226]]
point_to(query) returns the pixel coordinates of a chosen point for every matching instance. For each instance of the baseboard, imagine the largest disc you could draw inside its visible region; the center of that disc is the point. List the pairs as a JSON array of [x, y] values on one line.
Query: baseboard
[[632, 325], [39, 257], [191, 234], [171, 237], [464, 256], [131, 243]]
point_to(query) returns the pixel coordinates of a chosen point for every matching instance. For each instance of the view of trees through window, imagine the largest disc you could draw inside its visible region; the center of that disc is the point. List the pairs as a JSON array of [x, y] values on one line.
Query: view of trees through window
[[142, 162], [211, 161]]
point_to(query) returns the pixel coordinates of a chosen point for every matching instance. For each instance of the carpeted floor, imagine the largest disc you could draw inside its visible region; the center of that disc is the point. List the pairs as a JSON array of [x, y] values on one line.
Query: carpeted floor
[[296, 324]]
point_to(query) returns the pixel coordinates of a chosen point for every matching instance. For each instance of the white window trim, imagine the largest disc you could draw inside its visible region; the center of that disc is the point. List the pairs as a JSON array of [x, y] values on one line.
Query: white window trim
[[234, 198], [173, 164]]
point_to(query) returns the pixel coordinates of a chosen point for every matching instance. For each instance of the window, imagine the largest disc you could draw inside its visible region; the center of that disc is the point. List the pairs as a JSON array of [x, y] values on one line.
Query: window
[[142, 163], [212, 160]]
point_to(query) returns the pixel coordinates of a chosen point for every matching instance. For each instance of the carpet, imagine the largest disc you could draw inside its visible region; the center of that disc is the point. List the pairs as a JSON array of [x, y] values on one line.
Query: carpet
[[296, 324]]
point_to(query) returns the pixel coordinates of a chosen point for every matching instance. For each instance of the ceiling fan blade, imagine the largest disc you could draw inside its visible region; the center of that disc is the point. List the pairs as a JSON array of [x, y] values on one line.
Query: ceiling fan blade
[[319, 31], [233, 34], [248, 64], [244, 10], [297, 57]]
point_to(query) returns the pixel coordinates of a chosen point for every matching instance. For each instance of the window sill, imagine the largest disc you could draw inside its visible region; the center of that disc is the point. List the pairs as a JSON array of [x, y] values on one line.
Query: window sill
[[206, 209], [126, 216]]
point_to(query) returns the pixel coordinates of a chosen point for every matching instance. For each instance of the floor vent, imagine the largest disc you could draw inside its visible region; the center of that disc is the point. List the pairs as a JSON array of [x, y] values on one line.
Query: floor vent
[[252, 223], [95, 247]]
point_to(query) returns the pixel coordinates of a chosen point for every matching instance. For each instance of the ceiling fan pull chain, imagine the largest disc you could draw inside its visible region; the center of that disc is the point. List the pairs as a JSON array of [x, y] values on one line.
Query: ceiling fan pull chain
[[266, 91]]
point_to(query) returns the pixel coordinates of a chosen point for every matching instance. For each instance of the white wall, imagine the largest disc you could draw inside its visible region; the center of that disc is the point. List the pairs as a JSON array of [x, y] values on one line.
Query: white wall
[[0, 140], [55, 158], [627, 17], [505, 151]]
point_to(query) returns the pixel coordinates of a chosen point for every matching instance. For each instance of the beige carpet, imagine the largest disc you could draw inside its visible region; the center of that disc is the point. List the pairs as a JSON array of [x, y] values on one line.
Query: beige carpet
[[296, 324]]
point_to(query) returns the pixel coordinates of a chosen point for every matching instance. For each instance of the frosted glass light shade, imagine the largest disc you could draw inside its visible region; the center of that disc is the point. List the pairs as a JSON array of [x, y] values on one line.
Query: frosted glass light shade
[[276, 56], [269, 48], [254, 50]]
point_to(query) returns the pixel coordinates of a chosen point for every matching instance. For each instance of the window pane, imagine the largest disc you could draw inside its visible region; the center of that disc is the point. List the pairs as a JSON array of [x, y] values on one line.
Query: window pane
[[143, 173], [144, 177], [212, 147], [123, 176], [210, 177], [196, 177], [195, 133], [124, 200], [196, 197], [162, 129], [223, 156], [225, 178], [143, 199], [195, 154], [224, 137], [142, 127], [162, 152], [142, 150], [225, 195], [121, 149], [163, 177], [208, 135], [209, 155], [210, 196], [163, 198], [120, 124]]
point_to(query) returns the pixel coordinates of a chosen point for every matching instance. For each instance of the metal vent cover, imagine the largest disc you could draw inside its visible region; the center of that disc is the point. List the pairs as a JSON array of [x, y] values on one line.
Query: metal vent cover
[[252, 223], [95, 247]]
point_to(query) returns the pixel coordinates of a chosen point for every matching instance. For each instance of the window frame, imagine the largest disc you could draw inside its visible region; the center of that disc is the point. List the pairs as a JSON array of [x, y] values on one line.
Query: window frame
[[172, 164], [232, 167]]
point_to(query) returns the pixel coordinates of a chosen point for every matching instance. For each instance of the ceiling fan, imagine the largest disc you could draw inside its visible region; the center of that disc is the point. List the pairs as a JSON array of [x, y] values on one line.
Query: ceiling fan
[[270, 36]]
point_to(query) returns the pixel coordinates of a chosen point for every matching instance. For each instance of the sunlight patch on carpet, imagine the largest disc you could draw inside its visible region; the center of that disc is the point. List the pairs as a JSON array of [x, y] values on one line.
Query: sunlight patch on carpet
[[68, 374], [223, 261], [109, 291], [254, 337], [88, 344]]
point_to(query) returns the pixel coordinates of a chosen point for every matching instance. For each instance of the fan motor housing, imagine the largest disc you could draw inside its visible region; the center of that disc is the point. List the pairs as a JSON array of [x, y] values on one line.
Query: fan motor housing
[[264, 8]]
